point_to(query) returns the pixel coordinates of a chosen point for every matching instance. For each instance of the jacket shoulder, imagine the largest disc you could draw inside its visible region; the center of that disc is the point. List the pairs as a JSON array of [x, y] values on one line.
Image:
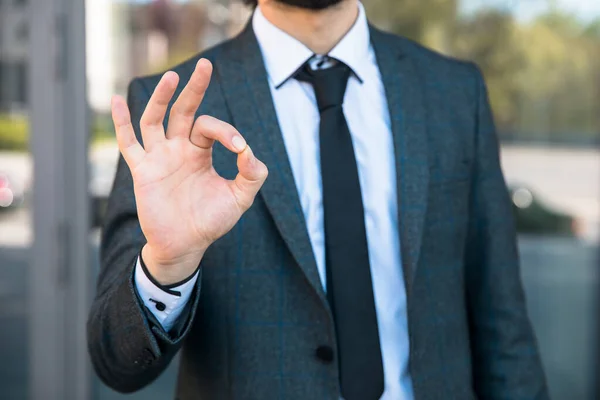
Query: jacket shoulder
[[435, 65]]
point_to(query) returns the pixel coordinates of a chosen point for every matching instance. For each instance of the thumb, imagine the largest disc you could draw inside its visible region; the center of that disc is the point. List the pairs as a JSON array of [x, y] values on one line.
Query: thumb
[[252, 174]]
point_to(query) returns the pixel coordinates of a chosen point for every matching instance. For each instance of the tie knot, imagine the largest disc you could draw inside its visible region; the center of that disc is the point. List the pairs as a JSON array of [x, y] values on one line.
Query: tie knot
[[329, 84]]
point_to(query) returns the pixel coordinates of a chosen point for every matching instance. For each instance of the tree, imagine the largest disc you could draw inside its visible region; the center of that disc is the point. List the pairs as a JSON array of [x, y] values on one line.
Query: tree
[[424, 21], [491, 39], [543, 75], [558, 80], [488, 38], [592, 33]]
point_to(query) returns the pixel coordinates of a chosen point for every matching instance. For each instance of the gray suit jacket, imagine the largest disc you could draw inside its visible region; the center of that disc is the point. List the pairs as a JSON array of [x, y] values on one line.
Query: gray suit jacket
[[260, 312]]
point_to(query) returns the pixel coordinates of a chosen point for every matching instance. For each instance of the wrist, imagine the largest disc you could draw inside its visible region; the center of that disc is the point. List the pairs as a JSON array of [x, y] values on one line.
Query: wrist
[[170, 271]]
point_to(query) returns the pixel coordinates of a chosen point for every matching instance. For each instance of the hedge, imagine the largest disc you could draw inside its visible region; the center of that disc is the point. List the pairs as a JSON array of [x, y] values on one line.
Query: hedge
[[14, 131]]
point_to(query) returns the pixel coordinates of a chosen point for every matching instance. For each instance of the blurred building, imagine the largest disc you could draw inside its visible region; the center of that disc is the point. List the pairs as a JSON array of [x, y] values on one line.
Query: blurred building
[[103, 61], [164, 32], [132, 39], [126, 39], [14, 31]]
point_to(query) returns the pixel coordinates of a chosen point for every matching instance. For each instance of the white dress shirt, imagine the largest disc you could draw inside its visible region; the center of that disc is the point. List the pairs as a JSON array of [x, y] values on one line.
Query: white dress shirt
[[367, 114]]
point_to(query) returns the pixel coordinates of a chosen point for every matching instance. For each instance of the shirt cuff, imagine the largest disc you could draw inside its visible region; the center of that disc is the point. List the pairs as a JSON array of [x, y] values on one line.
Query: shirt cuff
[[166, 303]]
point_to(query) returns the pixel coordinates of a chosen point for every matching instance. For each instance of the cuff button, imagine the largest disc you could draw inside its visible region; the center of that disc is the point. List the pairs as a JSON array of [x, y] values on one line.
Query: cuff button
[[325, 354], [160, 306]]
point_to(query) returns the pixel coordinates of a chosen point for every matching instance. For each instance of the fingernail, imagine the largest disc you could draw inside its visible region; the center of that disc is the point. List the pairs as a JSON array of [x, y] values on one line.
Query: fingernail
[[239, 143]]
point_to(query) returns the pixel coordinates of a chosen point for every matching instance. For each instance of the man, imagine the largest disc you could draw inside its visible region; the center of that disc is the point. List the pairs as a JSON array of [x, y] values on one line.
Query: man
[[377, 261]]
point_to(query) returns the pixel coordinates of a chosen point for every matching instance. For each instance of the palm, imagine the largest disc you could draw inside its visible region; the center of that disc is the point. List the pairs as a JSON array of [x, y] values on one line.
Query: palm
[[179, 195], [183, 205]]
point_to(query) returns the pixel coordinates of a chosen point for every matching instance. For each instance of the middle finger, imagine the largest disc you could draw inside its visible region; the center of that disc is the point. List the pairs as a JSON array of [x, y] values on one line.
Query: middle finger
[[151, 123]]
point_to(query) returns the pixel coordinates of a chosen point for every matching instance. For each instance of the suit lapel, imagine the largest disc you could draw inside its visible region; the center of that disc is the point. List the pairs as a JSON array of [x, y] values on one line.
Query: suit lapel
[[405, 95], [243, 77]]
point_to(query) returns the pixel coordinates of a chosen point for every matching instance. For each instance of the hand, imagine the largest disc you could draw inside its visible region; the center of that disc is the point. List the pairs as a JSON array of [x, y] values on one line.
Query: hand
[[183, 205]]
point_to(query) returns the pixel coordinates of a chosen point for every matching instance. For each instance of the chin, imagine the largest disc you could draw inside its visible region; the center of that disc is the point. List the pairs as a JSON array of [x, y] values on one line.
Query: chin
[[311, 4]]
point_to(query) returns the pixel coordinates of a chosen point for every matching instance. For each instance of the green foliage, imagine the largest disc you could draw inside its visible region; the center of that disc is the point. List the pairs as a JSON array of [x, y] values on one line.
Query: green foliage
[[102, 128], [593, 29], [543, 75], [14, 132], [414, 19], [491, 39], [557, 83]]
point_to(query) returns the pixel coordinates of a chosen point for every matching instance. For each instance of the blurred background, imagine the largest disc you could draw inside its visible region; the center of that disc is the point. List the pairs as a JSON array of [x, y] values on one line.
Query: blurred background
[[59, 68]]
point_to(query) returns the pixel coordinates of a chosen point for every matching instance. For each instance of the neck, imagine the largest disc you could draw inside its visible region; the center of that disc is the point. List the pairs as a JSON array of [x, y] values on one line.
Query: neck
[[319, 30]]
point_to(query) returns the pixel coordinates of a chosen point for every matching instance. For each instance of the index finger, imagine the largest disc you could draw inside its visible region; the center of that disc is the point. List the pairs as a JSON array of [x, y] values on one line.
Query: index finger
[[184, 109]]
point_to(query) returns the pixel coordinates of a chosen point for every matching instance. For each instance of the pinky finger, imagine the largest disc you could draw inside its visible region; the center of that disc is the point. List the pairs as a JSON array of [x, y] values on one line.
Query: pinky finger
[[129, 146]]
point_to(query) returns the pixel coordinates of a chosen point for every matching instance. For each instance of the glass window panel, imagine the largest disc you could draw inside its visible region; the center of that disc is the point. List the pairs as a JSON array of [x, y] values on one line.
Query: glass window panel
[[126, 39], [15, 203]]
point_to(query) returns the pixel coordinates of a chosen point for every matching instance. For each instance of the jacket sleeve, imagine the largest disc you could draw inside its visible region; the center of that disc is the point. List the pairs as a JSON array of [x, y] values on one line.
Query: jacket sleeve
[[506, 361], [127, 346]]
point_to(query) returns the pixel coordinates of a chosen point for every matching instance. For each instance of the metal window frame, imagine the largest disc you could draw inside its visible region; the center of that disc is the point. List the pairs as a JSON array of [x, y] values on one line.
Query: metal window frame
[[59, 282]]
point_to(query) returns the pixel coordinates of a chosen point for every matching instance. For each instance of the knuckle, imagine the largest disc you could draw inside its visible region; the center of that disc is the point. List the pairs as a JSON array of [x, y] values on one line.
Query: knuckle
[[176, 109], [182, 114], [204, 120], [163, 102], [229, 131], [247, 203], [146, 121], [244, 198], [263, 171], [197, 89], [217, 128], [123, 128], [144, 124]]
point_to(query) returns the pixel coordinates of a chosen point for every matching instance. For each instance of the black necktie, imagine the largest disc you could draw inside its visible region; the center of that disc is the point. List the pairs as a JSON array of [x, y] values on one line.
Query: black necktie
[[349, 284]]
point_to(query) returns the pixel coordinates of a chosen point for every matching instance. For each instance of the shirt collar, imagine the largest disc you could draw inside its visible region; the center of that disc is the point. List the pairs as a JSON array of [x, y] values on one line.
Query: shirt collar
[[284, 55]]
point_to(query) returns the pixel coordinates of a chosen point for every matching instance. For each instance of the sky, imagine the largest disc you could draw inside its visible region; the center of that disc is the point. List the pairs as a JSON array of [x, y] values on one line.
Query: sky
[[587, 10]]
